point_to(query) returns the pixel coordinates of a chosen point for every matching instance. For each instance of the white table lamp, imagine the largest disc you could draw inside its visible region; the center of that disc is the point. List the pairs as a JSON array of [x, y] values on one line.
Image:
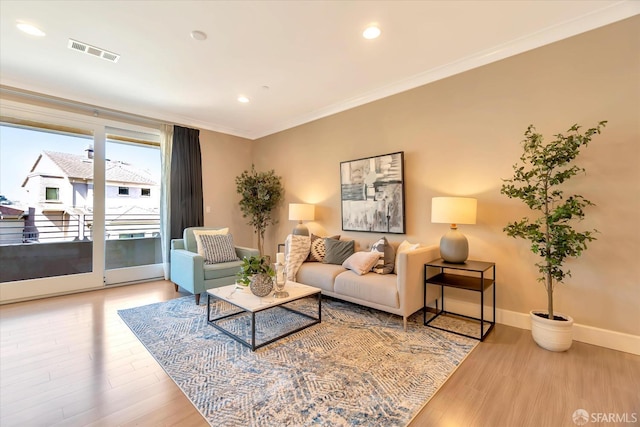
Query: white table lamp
[[454, 246], [301, 212]]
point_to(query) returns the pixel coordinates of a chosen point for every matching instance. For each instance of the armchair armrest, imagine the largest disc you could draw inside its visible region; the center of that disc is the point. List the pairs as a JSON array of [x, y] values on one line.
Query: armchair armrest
[[411, 276], [187, 269], [177, 244], [243, 252]]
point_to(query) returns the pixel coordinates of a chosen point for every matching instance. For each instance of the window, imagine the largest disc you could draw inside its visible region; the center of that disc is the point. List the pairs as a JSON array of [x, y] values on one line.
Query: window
[[146, 192], [52, 194], [33, 183]]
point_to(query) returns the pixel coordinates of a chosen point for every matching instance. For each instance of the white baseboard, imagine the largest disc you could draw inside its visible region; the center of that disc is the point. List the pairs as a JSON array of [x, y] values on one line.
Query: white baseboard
[[588, 334]]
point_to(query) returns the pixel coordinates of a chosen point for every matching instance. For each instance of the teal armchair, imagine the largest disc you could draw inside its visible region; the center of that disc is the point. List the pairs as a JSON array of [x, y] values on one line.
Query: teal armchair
[[189, 271]]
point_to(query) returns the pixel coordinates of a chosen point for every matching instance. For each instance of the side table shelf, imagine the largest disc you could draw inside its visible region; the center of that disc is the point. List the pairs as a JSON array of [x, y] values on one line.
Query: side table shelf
[[478, 282]]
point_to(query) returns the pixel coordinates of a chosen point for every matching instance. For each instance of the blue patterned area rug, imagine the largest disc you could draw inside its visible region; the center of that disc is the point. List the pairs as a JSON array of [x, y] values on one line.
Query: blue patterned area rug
[[356, 368]]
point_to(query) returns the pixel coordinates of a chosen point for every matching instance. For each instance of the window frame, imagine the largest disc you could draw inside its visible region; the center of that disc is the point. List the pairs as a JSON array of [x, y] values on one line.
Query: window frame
[[46, 194]]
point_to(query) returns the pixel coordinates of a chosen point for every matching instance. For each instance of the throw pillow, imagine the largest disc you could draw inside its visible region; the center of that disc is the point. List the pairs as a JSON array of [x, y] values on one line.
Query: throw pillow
[[317, 248], [217, 248], [404, 247], [361, 262], [386, 257], [337, 251], [296, 249], [201, 232]]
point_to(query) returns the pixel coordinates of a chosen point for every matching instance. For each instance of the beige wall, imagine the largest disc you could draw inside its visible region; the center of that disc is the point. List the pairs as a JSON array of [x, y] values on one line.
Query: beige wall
[[461, 135], [223, 158]]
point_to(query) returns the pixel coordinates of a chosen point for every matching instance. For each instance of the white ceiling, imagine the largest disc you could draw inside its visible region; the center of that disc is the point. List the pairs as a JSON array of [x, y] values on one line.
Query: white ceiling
[[310, 54]]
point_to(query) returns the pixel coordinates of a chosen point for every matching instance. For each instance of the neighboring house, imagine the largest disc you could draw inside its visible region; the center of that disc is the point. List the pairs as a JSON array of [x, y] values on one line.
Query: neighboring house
[[11, 225], [60, 187]]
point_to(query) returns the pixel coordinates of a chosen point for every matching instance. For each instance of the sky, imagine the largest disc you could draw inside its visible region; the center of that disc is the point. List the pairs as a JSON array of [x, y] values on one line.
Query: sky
[[20, 148]]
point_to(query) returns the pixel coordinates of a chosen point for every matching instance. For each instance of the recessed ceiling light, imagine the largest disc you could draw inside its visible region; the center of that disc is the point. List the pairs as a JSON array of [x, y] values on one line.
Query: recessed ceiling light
[[198, 35], [243, 99], [30, 29], [371, 32]]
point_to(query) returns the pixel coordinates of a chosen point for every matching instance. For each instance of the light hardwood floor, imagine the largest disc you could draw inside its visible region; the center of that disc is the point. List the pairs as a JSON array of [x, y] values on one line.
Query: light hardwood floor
[[71, 361]]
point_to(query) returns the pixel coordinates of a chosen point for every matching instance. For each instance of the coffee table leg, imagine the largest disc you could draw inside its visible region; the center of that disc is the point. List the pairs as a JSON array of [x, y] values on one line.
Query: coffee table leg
[[253, 331]]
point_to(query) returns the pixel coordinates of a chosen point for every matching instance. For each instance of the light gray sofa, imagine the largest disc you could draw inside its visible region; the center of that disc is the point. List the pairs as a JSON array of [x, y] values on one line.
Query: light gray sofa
[[401, 294]]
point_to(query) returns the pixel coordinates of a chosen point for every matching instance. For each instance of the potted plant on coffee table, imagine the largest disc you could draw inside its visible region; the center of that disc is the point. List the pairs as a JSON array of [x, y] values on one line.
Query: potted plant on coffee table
[[537, 181], [256, 274]]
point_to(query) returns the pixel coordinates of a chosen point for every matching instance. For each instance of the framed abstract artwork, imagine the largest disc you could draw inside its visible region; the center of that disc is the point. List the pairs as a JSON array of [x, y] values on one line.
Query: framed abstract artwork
[[372, 194]]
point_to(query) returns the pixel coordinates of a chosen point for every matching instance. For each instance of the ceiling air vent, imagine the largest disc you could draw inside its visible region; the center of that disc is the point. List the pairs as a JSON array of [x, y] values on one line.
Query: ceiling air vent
[[93, 51]]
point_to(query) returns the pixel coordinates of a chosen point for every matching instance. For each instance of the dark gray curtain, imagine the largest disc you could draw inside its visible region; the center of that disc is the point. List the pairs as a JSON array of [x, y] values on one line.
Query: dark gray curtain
[[186, 181]]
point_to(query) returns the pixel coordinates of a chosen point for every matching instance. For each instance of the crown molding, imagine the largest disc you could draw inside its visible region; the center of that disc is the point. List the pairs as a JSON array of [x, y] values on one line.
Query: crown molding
[[605, 16]]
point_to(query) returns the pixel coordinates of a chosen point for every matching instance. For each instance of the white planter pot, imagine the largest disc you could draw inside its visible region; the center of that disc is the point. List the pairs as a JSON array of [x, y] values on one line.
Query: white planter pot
[[552, 335]]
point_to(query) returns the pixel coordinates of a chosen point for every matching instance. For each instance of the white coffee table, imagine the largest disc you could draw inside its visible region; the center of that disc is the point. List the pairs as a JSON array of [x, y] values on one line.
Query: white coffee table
[[250, 304]]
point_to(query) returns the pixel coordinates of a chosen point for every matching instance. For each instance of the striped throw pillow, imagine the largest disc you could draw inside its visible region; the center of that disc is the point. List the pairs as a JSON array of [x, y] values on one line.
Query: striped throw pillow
[[217, 248]]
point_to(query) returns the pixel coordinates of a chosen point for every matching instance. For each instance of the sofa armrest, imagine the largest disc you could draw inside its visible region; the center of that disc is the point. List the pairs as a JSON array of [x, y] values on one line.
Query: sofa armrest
[[411, 276], [243, 252], [187, 270]]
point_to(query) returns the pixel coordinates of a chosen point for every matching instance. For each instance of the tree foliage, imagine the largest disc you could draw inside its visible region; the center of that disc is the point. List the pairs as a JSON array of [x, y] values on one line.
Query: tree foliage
[[260, 192], [537, 181]]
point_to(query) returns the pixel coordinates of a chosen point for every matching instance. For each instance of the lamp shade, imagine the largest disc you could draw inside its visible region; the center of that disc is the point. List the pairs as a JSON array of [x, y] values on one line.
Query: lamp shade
[[301, 212], [454, 210]]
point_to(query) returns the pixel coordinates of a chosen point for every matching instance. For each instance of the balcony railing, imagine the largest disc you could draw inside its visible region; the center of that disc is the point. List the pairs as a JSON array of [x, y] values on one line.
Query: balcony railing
[[66, 228], [55, 245]]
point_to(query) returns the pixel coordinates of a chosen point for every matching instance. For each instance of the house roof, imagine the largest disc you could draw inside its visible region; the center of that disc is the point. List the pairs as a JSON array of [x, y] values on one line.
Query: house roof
[[80, 167], [10, 211]]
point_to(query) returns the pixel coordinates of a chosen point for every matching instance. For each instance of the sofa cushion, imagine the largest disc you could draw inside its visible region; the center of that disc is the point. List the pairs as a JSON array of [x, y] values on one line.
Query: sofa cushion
[[361, 262], [217, 248], [386, 256], [317, 248], [318, 274], [376, 288], [221, 269], [338, 250]]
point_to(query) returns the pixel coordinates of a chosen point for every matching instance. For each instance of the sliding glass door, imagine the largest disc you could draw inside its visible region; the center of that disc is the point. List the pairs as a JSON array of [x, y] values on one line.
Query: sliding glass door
[[71, 217], [132, 207], [45, 204]]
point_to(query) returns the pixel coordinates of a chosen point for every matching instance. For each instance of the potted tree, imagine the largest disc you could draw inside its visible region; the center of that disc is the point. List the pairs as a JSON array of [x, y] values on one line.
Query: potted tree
[[260, 192], [537, 181]]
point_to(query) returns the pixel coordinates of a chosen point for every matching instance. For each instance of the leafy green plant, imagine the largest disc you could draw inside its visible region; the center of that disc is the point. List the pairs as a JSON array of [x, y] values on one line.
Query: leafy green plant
[[260, 192], [253, 265], [536, 181]]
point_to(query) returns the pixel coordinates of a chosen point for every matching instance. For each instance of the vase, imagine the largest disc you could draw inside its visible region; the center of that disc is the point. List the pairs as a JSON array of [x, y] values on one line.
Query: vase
[[261, 285], [280, 281]]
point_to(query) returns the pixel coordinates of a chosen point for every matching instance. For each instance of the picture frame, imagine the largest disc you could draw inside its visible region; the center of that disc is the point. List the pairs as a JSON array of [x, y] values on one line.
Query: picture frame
[[372, 194]]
